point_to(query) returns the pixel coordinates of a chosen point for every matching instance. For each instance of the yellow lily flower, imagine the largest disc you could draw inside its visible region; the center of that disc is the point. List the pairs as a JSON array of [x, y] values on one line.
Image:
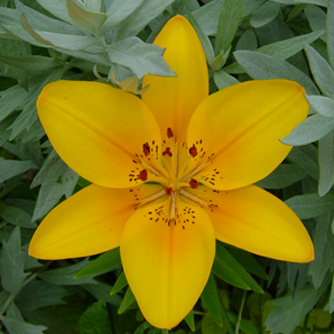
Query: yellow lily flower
[[171, 173]]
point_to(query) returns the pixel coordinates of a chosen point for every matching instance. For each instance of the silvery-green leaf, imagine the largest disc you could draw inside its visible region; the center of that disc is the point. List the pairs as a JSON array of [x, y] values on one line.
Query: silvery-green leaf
[[323, 251], [228, 23], [10, 168], [17, 326], [310, 130], [326, 163], [316, 18], [141, 17], [283, 176], [31, 63], [140, 57], [330, 31], [205, 41], [322, 105], [16, 216], [119, 11], [57, 8], [306, 157], [85, 19], [56, 180], [310, 205], [247, 41], [12, 263], [93, 6], [323, 3], [265, 14], [262, 66], [250, 6], [285, 2], [207, 16], [322, 72], [223, 79]]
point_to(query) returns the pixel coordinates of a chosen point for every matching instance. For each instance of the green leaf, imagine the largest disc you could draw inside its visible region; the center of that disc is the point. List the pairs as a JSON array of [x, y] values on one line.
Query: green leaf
[[210, 298], [321, 104], [31, 63], [12, 263], [312, 129], [85, 19], [306, 158], [95, 320], [65, 276], [101, 291], [330, 31], [10, 168], [310, 205], [323, 250], [119, 11], [228, 23], [247, 41], [103, 264], [57, 8], [322, 72], [223, 79], [127, 301], [290, 310], [16, 326], [16, 216], [37, 294], [56, 180], [265, 14], [139, 57], [141, 17], [262, 66], [120, 283], [317, 19], [326, 163], [190, 320], [205, 41], [250, 6], [230, 271], [283, 176]]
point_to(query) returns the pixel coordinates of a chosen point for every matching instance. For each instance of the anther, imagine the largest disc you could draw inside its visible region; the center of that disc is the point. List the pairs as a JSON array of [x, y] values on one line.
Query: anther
[[167, 151], [193, 183], [168, 191], [170, 133], [193, 151], [146, 149], [143, 175]]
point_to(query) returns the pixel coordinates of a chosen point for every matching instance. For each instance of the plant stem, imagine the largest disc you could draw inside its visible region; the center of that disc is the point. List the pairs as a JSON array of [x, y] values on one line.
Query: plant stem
[[226, 319], [237, 325]]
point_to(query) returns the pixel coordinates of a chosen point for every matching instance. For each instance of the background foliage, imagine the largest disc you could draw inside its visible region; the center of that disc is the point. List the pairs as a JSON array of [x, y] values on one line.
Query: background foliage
[[46, 40]]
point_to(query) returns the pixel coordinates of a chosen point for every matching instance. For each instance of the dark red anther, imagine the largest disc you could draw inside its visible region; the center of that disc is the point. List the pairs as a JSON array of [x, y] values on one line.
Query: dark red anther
[[168, 191], [193, 183], [193, 151], [146, 149], [167, 151], [170, 133], [143, 175]]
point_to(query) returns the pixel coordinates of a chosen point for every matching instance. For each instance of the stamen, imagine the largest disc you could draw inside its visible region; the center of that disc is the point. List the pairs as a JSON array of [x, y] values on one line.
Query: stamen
[[193, 151], [168, 191], [193, 183], [195, 171], [146, 149], [152, 198], [193, 198], [170, 133], [143, 175], [173, 206], [167, 151]]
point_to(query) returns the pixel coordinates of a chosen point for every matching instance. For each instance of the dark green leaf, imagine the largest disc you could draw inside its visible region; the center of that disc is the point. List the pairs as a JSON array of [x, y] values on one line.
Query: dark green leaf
[[127, 301], [17, 327], [120, 283], [10, 168], [190, 320]]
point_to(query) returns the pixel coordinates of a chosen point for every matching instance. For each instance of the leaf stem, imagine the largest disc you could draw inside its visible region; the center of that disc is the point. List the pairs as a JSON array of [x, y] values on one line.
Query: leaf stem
[[226, 319], [237, 325]]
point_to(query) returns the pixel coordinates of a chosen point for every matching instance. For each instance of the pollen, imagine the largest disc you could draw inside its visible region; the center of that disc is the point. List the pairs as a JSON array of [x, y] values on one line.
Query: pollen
[[170, 133], [143, 175], [168, 191], [193, 183], [146, 149], [193, 151]]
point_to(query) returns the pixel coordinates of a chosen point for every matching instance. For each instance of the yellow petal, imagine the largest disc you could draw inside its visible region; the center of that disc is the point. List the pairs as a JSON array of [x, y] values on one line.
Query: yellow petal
[[253, 219], [167, 265], [88, 223], [240, 127], [99, 131], [174, 99]]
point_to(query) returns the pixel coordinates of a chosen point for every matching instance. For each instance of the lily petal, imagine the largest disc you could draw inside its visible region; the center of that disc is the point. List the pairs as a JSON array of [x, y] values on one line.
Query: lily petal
[[255, 220], [99, 131], [167, 265], [174, 99], [87, 223], [239, 128]]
